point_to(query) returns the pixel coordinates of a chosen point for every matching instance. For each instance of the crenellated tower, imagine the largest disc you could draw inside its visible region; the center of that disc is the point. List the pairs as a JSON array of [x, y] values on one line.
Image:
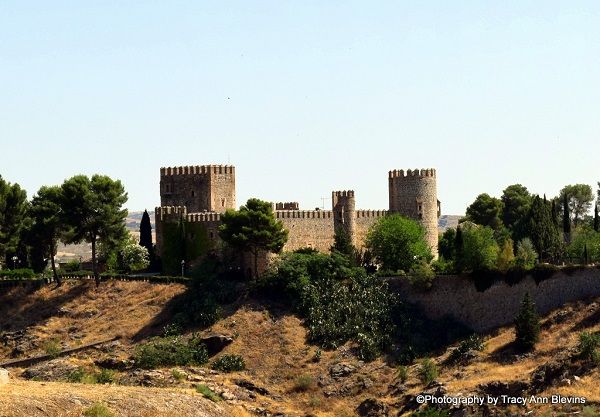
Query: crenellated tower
[[414, 194], [344, 213], [198, 188]]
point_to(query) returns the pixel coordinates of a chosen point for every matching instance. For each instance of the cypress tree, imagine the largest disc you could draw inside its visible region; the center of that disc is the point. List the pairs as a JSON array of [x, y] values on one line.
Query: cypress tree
[[527, 324], [458, 249], [542, 230], [566, 218], [596, 219], [585, 254], [146, 232]]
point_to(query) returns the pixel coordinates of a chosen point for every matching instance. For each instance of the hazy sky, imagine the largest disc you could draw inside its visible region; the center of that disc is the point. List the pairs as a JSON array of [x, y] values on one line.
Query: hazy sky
[[303, 97]]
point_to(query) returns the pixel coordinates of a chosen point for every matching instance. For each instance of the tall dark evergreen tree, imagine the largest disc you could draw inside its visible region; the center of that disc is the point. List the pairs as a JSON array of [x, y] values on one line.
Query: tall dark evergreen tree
[[458, 249], [146, 232], [527, 324], [542, 230], [566, 218], [596, 219], [585, 255]]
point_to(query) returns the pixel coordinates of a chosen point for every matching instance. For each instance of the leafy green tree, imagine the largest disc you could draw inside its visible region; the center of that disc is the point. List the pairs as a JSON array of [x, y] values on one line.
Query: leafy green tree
[[134, 257], [253, 228], [527, 324], [542, 230], [516, 201], [13, 220], [526, 256], [397, 243], [506, 256], [480, 249], [585, 239], [446, 244], [579, 198], [343, 244], [46, 213], [486, 211], [93, 211]]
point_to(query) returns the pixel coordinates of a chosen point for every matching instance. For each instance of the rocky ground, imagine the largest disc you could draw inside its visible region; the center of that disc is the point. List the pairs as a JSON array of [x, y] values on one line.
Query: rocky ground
[[284, 375]]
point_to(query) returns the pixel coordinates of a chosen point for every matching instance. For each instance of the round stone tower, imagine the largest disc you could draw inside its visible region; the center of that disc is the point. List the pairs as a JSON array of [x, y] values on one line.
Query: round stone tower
[[413, 194], [344, 213]]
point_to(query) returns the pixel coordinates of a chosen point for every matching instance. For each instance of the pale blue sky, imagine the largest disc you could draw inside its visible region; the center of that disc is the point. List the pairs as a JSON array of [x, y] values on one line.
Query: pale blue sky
[[303, 97]]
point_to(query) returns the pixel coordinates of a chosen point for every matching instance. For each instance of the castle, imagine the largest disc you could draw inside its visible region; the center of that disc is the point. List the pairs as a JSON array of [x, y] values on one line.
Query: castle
[[199, 194]]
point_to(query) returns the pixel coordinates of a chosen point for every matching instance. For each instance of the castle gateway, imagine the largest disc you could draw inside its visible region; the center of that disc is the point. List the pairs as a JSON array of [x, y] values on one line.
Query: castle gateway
[[192, 199]]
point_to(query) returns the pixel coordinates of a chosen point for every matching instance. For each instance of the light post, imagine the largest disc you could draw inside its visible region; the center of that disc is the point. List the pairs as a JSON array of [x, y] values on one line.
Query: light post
[[182, 267], [15, 259]]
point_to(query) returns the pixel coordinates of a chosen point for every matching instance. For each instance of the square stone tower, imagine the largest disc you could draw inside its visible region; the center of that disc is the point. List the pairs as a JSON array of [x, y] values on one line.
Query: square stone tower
[[198, 188]]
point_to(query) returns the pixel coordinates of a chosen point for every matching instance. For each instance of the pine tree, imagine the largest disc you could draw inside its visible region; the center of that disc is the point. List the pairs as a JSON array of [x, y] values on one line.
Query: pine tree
[[527, 324], [596, 219]]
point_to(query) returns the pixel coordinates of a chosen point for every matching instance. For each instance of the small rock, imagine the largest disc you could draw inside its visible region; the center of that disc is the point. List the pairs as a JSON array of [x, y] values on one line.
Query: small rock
[[3, 376], [576, 378], [250, 386], [341, 369]]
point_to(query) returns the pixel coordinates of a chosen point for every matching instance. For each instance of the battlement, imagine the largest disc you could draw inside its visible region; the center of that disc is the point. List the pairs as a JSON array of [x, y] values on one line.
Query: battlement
[[348, 193], [303, 214], [197, 170], [293, 205], [170, 211], [430, 172], [203, 217], [371, 213]]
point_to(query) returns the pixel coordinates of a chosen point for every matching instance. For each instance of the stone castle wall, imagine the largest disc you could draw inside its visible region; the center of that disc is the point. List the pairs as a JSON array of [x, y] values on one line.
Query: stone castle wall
[[457, 297], [307, 228]]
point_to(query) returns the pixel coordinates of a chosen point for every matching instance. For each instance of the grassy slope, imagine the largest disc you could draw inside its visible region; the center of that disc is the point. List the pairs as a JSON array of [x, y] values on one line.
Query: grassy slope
[[272, 343]]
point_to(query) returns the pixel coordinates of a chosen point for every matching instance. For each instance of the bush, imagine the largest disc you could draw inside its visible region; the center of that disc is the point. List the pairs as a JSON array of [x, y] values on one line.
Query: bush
[[473, 342], [479, 248], [422, 275], [588, 346], [106, 376], [430, 412], [428, 371], [98, 410], [526, 255], [303, 383], [527, 324], [170, 351], [71, 266], [208, 393], [23, 273], [82, 376], [229, 363], [403, 373], [52, 348]]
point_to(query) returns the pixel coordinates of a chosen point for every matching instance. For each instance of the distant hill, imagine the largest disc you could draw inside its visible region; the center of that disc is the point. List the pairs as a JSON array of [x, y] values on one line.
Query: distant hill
[[448, 221]]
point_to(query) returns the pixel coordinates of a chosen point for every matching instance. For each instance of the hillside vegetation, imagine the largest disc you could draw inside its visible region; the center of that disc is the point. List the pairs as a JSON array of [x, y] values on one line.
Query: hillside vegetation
[[283, 373]]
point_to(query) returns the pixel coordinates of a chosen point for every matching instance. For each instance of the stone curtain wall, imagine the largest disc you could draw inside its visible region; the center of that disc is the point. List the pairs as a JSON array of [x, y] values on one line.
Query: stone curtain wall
[[365, 219], [307, 228], [457, 297]]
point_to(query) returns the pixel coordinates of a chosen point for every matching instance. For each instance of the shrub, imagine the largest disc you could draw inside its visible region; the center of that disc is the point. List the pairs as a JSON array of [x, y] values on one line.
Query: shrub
[[588, 346], [106, 376], [172, 329], [229, 363], [303, 383], [430, 412], [170, 351], [81, 375], [403, 373], [208, 393], [178, 375], [526, 255], [428, 371], [473, 342], [52, 348], [98, 410], [22, 273], [527, 324], [421, 275]]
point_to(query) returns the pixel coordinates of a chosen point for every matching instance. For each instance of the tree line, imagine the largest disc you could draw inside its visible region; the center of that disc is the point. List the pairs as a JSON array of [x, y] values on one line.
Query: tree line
[[81, 209]]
